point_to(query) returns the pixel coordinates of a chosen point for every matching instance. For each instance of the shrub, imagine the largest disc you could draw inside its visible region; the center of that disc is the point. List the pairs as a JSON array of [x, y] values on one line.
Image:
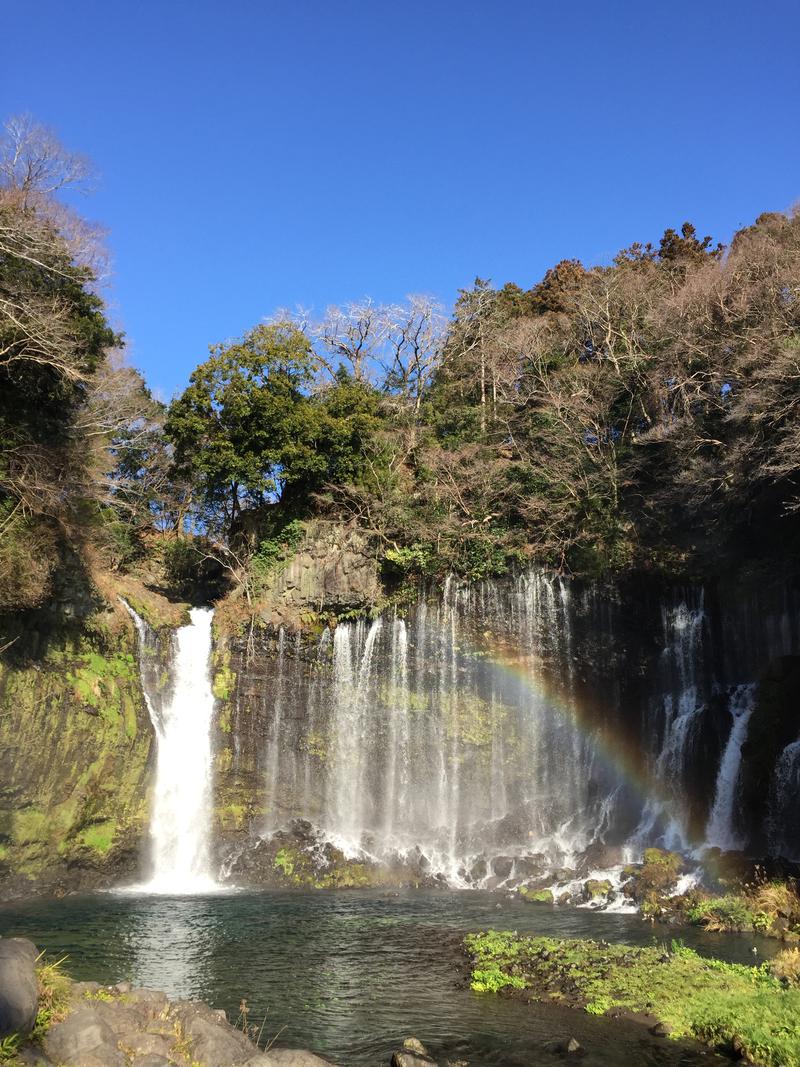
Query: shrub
[[727, 913]]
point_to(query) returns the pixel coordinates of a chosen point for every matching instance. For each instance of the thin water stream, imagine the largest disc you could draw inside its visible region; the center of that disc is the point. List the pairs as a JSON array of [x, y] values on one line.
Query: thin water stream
[[350, 974]]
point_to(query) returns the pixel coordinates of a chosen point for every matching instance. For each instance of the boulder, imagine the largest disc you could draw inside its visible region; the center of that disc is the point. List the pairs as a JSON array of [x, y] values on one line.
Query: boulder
[[84, 1039], [502, 866], [216, 1044], [19, 989]]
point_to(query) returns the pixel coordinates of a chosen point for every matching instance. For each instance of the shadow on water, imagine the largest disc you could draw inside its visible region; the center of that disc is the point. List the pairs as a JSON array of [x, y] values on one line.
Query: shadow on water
[[351, 974]]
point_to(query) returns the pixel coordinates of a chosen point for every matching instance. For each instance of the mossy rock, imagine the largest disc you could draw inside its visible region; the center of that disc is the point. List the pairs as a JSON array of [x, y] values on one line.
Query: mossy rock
[[536, 896]]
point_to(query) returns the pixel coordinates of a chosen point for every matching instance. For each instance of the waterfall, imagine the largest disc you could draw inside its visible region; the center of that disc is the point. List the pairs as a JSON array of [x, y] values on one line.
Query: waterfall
[[675, 712], [721, 831], [180, 817], [784, 806], [514, 725]]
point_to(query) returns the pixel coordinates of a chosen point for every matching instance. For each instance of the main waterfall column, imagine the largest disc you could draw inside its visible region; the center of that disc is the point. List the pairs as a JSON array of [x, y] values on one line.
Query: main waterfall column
[[180, 820]]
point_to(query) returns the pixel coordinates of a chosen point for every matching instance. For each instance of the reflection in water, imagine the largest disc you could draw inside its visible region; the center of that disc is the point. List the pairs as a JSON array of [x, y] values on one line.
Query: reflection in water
[[173, 944], [350, 974]]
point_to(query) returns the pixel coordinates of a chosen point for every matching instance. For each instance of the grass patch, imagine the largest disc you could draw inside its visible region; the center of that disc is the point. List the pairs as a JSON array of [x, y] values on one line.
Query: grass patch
[[54, 986], [726, 1005]]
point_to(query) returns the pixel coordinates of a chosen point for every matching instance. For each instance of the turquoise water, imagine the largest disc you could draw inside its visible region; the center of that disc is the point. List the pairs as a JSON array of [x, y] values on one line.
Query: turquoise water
[[350, 974]]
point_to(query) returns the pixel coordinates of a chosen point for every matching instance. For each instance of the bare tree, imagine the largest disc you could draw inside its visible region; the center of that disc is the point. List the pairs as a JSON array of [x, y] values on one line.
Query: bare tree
[[33, 160], [414, 336]]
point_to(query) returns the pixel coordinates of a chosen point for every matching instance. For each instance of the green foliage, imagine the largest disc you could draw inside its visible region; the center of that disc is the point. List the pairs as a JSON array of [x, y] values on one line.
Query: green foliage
[[720, 1003], [9, 1048], [494, 956], [723, 913], [272, 551]]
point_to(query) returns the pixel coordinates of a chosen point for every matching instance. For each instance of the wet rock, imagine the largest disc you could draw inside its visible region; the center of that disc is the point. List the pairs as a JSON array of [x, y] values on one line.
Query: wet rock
[[566, 1046], [534, 865], [151, 1060], [656, 877], [660, 1030], [478, 870], [33, 1057], [502, 866], [600, 857], [413, 1044], [596, 890], [19, 990]]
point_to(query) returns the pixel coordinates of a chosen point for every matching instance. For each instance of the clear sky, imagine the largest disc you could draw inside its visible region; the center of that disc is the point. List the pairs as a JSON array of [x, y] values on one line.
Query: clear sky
[[256, 154]]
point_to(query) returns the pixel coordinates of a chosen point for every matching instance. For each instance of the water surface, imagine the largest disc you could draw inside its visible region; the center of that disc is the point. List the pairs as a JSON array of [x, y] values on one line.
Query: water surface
[[350, 974]]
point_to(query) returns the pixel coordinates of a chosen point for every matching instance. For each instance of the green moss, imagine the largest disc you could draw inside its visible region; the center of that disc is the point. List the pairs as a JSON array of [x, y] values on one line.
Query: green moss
[[536, 896], [98, 682], [99, 837], [224, 682], [232, 816], [29, 825], [726, 1005], [76, 757], [285, 861], [597, 888]]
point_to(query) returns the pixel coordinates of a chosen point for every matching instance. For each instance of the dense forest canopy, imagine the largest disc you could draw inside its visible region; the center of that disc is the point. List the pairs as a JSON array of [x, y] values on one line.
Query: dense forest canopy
[[642, 413]]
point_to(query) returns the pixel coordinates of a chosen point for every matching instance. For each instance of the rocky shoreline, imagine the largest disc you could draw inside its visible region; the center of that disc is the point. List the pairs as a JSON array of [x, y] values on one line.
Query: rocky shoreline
[[48, 1020]]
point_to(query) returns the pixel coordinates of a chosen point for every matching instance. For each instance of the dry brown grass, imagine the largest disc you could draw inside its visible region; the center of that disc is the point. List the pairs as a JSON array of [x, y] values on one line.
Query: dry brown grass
[[786, 966]]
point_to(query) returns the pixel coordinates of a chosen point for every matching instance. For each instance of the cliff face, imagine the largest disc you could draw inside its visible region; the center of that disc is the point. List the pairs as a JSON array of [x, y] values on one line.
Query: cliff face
[[75, 740], [481, 722]]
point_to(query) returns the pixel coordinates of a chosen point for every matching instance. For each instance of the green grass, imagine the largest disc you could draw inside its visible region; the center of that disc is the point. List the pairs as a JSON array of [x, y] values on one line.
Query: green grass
[[723, 1004]]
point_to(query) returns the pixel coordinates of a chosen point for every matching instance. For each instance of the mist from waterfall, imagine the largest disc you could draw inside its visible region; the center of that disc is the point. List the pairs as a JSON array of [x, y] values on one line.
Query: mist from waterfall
[[180, 815]]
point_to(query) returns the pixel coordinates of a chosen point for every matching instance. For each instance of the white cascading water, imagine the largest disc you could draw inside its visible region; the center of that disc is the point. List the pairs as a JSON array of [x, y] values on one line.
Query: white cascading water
[[423, 738], [180, 818], [785, 802], [721, 829], [679, 708], [490, 729]]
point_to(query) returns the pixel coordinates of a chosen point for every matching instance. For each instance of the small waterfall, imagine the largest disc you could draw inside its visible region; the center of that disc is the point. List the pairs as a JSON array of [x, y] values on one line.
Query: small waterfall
[[721, 830], [674, 714], [346, 804], [181, 806], [784, 806]]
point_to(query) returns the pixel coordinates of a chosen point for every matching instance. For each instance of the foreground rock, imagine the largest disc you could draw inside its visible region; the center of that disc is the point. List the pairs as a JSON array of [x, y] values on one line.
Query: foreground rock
[[120, 1026], [19, 989]]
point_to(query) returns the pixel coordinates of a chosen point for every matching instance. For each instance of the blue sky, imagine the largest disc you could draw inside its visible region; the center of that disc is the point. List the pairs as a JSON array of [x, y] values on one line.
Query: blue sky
[[262, 154]]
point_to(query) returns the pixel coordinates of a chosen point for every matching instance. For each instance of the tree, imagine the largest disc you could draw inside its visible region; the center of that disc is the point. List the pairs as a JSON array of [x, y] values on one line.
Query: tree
[[241, 429]]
